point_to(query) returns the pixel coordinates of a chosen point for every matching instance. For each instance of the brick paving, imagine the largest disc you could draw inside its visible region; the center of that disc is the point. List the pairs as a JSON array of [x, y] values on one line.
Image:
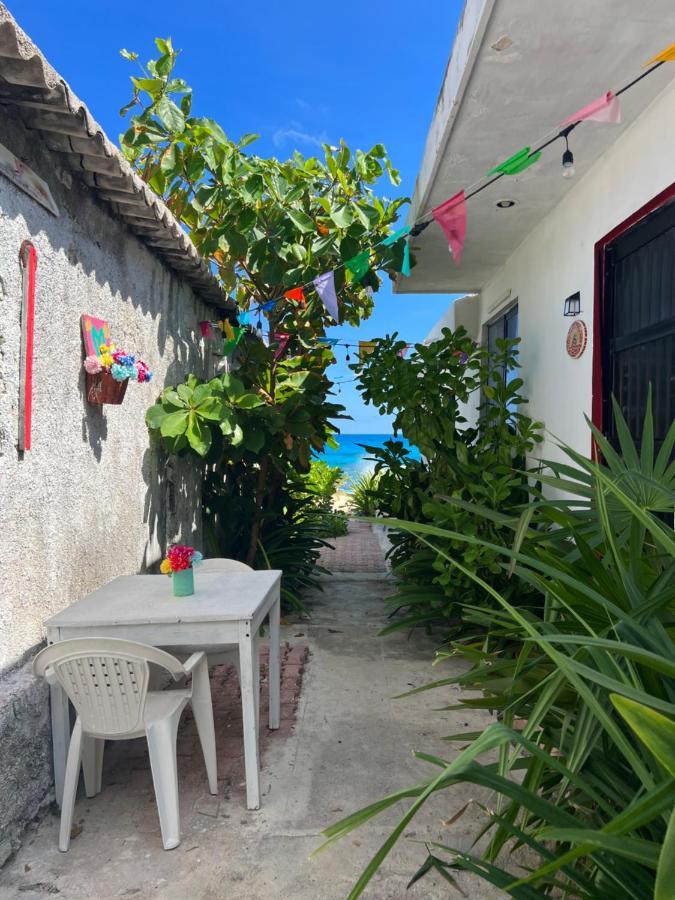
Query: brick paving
[[359, 551], [127, 761]]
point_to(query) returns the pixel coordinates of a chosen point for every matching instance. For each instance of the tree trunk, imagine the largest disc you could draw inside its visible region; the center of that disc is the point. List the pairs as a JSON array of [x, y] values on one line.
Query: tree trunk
[[259, 494]]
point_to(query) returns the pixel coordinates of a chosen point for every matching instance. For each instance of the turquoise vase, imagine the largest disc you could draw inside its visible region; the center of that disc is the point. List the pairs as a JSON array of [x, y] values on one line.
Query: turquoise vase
[[183, 582]]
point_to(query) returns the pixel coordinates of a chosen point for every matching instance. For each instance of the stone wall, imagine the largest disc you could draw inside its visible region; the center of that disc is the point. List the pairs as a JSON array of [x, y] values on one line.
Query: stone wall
[[93, 498]]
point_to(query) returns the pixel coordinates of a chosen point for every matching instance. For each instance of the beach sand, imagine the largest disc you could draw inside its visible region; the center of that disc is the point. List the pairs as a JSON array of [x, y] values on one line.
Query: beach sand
[[342, 502]]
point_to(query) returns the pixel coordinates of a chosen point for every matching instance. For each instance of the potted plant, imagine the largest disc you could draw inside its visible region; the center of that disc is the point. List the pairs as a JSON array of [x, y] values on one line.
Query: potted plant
[[109, 372], [178, 564]]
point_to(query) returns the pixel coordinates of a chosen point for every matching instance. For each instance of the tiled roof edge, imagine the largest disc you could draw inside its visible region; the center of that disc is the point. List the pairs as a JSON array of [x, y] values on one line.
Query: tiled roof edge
[[48, 105]]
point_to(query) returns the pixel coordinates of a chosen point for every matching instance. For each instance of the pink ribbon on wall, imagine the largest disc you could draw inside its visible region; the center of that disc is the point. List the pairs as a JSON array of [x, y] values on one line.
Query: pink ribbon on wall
[[451, 216]]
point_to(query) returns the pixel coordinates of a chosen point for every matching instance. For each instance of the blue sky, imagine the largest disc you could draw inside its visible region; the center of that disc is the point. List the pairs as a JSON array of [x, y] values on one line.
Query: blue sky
[[295, 73]]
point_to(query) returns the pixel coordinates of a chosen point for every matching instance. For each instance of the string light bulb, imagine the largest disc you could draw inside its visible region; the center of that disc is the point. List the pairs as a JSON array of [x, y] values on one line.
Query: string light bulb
[[568, 170]]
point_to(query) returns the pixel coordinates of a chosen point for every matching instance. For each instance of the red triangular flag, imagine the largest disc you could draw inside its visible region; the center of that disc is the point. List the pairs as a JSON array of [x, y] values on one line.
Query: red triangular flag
[[451, 216], [296, 294]]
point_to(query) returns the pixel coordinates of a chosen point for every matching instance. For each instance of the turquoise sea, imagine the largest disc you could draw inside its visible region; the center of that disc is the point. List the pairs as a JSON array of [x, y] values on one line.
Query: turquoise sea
[[352, 458]]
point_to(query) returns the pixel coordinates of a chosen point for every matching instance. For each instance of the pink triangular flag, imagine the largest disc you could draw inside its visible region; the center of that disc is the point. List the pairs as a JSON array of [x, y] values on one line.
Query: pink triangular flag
[[325, 288], [605, 109], [451, 216]]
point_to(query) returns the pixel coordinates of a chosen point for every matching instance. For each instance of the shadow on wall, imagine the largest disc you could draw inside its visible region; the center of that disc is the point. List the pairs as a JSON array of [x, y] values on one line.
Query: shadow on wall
[[97, 246], [172, 484]]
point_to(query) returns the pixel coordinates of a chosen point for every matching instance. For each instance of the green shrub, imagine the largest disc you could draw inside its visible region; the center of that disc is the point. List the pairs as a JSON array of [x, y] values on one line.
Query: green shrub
[[364, 496], [587, 784], [469, 463], [318, 488]]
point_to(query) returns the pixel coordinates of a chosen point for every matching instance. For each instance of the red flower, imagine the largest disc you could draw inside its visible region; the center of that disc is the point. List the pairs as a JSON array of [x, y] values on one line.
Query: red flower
[[180, 557]]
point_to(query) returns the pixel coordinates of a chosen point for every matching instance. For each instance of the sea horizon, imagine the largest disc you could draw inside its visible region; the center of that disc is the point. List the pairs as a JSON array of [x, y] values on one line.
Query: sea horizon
[[352, 458]]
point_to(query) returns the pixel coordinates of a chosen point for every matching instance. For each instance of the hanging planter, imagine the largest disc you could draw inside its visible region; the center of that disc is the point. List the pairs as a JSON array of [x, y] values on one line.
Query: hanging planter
[[108, 373], [102, 388]]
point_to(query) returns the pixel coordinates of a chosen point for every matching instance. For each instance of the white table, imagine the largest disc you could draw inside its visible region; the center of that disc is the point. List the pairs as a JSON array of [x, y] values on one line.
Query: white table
[[226, 609]]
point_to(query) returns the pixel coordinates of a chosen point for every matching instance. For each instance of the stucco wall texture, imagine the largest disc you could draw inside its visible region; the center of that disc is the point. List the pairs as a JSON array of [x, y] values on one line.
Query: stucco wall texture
[[91, 499]]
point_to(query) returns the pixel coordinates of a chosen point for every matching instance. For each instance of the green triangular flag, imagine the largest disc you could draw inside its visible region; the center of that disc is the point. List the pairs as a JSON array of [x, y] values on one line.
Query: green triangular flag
[[405, 268], [396, 236], [358, 265], [239, 332], [228, 347], [515, 164]]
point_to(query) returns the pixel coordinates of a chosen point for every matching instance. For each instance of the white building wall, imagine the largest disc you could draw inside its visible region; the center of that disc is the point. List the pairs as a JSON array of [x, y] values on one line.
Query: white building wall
[[557, 259]]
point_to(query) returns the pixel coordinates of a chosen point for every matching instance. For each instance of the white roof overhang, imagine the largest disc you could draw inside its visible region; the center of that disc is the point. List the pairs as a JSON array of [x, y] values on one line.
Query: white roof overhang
[[517, 69]]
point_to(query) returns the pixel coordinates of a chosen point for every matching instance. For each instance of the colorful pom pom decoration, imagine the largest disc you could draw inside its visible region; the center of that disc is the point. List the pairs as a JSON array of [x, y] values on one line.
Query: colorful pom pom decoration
[[109, 373]]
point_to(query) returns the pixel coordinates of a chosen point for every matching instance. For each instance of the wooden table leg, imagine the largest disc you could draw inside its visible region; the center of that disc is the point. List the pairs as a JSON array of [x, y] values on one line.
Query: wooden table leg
[[60, 736], [275, 664], [249, 668]]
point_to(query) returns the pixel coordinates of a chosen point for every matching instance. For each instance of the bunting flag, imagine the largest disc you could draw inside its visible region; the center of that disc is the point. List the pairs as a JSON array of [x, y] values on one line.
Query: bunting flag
[[516, 164], [402, 352], [405, 267], [358, 265], [325, 288], [451, 216], [606, 108], [667, 55], [365, 349], [281, 338], [228, 331], [230, 343], [297, 294], [396, 236]]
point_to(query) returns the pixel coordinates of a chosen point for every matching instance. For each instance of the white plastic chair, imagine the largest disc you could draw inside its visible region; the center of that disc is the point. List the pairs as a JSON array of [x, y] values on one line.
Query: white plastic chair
[[107, 681], [220, 564]]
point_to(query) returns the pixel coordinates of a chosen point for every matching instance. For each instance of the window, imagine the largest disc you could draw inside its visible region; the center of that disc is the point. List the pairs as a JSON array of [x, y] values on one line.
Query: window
[[505, 326]]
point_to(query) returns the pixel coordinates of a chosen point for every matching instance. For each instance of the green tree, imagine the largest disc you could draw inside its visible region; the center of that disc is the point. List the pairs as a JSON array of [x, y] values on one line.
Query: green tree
[[266, 226], [462, 462]]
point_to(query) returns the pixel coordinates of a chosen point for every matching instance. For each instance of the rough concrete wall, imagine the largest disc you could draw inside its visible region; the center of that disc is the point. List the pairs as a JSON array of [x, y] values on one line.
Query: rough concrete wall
[[92, 499], [25, 754], [88, 501]]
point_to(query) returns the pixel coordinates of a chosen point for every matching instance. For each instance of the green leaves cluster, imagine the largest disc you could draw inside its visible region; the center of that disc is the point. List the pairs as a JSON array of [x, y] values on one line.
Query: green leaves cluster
[[232, 415], [469, 461], [267, 225], [582, 682], [254, 432]]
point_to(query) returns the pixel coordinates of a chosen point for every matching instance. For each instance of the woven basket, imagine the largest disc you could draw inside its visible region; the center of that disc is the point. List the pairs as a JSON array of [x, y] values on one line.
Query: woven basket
[[102, 388]]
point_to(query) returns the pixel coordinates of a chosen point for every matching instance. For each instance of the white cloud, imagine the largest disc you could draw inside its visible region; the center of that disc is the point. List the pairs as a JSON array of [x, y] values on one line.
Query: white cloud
[[295, 133]]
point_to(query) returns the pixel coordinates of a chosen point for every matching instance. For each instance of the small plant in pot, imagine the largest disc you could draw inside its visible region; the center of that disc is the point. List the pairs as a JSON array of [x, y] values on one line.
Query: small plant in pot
[[179, 563], [109, 372]]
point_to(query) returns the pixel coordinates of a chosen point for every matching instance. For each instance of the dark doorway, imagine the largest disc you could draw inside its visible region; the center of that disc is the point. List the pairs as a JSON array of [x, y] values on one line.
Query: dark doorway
[[638, 328]]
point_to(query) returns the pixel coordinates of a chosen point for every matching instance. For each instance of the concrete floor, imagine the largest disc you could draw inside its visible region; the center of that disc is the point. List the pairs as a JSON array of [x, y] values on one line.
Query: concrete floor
[[351, 745]]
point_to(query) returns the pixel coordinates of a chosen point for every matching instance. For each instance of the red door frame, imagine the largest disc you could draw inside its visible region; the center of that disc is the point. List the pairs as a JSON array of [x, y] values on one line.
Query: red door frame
[[666, 196]]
